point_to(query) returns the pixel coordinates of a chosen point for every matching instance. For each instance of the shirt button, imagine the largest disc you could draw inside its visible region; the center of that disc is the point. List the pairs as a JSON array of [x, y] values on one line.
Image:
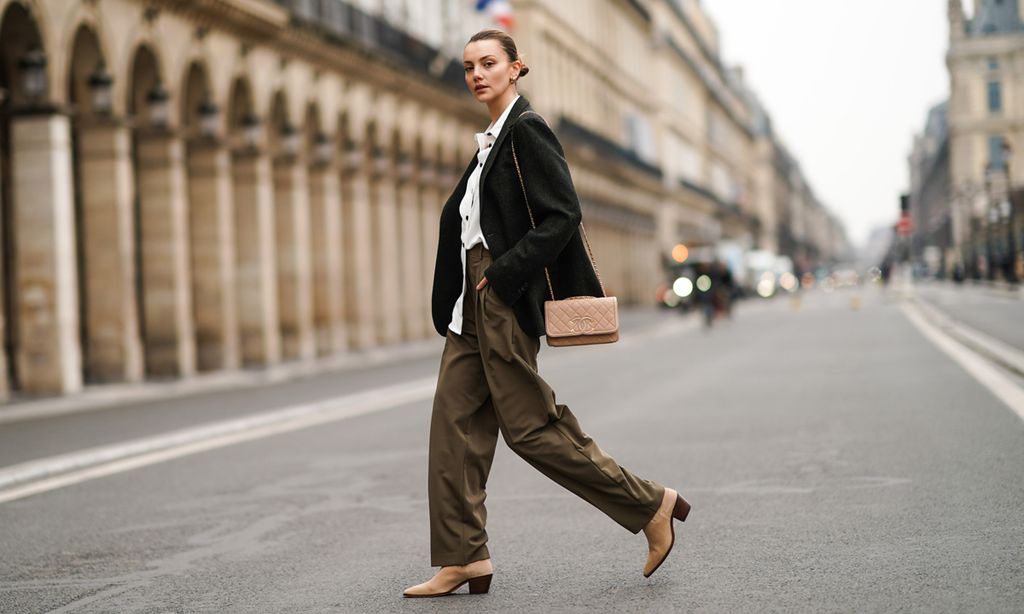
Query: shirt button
[[479, 165]]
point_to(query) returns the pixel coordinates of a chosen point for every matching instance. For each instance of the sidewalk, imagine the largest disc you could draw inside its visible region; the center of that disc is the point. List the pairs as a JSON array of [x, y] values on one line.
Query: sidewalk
[[997, 313], [104, 414], [107, 396], [59, 440]]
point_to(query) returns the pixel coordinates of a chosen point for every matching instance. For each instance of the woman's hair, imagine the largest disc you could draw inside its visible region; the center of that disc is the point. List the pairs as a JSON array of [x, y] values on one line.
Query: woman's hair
[[506, 43]]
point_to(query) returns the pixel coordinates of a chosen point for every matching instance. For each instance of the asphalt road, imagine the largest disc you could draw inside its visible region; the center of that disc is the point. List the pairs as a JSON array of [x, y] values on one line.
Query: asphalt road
[[835, 459], [996, 314]]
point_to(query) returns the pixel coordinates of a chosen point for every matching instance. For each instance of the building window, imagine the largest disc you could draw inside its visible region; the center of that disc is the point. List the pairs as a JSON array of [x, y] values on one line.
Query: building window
[[995, 97], [993, 64], [995, 153]]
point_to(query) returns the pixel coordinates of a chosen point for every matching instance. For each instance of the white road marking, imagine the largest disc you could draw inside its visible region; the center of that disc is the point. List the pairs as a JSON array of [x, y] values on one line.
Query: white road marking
[[988, 375], [43, 475], [51, 473]]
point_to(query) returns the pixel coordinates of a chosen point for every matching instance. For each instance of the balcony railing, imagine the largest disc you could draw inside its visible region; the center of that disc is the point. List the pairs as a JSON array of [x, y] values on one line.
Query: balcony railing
[[580, 134], [340, 22]]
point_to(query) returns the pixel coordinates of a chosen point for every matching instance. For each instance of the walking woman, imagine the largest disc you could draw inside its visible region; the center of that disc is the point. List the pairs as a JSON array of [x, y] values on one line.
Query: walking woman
[[488, 302]]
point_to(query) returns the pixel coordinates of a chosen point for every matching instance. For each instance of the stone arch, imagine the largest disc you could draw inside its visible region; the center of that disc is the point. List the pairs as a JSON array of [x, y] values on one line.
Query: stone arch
[[255, 252], [85, 18], [241, 108], [87, 58], [291, 229], [325, 235], [42, 352], [279, 124], [144, 75], [196, 97], [105, 239], [20, 33]]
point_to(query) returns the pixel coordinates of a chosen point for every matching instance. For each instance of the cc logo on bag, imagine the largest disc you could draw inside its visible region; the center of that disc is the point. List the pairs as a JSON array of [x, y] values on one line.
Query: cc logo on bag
[[581, 324]]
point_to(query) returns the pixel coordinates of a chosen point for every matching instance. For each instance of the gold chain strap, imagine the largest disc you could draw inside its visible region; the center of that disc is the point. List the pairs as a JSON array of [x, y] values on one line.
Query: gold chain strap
[[529, 210]]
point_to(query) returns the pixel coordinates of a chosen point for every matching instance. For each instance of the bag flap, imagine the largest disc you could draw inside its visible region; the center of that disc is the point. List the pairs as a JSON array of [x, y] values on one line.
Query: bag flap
[[591, 315]]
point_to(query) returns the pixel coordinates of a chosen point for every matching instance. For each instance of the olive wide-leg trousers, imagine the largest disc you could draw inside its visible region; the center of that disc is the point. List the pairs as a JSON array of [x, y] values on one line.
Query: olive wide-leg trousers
[[488, 381]]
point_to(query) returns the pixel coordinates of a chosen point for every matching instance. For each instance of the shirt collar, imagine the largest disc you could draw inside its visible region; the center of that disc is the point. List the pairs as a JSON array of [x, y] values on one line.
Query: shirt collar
[[487, 137]]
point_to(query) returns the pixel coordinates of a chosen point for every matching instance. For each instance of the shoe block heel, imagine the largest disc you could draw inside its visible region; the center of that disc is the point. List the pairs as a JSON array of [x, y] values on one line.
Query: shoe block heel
[[681, 510], [480, 585]]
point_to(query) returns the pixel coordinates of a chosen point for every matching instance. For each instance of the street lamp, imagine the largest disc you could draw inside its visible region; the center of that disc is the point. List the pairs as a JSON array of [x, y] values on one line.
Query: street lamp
[[1009, 217], [381, 161], [251, 130], [289, 140], [323, 149], [158, 102], [406, 166], [209, 118], [32, 69], [100, 88], [353, 155], [989, 217]]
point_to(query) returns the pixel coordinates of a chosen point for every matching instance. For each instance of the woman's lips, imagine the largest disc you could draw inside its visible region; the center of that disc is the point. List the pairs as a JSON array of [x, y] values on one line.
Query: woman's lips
[[481, 88]]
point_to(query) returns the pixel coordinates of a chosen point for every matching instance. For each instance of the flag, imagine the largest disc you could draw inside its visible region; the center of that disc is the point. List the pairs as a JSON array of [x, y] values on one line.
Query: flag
[[498, 10]]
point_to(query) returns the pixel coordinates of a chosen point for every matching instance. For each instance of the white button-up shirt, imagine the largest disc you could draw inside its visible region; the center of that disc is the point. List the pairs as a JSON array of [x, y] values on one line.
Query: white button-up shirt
[[469, 208]]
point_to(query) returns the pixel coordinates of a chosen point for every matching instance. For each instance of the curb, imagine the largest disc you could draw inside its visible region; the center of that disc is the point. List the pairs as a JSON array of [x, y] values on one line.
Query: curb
[[993, 349], [107, 396]]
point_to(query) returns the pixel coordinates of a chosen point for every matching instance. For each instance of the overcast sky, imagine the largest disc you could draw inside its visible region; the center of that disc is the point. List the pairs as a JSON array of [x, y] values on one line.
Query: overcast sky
[[847, 84]]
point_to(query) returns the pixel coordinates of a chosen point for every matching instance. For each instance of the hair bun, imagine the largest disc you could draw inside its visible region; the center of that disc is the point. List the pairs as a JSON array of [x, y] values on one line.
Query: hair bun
[[525, 69]]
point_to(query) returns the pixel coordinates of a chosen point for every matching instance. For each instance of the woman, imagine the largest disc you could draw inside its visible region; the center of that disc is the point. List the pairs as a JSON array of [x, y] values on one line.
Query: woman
[[488, 299]]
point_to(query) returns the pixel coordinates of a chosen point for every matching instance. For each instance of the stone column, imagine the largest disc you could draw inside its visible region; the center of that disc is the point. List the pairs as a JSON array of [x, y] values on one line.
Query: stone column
[[113, 348], [414, 287], [358, 255], [325, 214], [168, 326], [294, 258], [214, 279], [48, 354], [255, 257], [5, 384], [386, 254], [431, 176]]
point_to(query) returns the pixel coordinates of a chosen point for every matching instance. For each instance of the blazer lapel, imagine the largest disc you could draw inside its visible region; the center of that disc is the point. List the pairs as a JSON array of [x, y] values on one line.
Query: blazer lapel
[[521, 105]]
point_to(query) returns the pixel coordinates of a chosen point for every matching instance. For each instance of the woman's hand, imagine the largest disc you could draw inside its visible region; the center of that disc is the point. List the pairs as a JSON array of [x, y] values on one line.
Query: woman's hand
[[483, 282]]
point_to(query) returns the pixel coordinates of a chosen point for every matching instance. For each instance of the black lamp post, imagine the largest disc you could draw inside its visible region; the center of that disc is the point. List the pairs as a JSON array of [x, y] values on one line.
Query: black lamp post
[[209, 119], [158, 103], [323, 148], [101, 85], [1009, 216], [289, 140], [32, 70], [251, 131]]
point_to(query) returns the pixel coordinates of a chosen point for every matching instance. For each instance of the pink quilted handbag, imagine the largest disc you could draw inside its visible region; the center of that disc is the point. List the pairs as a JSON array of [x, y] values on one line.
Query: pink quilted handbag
[[577, 320]]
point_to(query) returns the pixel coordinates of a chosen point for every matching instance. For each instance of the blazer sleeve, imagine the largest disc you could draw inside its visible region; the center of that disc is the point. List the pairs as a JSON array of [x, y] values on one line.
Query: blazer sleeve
[[555, 206]]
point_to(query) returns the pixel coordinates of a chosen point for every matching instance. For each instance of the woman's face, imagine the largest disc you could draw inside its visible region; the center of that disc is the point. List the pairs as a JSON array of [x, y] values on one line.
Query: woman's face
[[488, 70]]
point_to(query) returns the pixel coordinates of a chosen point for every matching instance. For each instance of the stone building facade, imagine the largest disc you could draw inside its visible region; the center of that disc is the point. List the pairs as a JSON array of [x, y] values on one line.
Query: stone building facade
[[216, 184], [986, 137], [931, 244]]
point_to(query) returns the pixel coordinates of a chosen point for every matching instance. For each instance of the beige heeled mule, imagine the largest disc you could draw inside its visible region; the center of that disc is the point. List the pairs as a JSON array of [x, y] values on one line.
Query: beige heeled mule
[[449, 579], [660, 532]]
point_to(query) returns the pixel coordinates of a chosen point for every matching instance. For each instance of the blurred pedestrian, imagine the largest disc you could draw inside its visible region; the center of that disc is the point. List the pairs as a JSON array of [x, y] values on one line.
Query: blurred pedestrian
[[488, 297], [723, 287], [705, 287]]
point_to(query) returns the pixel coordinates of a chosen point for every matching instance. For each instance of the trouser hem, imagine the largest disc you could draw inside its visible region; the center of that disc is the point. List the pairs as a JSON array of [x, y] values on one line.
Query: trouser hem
[[653, 507], [457, 558]]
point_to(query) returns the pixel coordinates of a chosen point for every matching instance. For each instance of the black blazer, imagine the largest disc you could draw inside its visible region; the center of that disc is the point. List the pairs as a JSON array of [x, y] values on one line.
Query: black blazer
[[519, 253]]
